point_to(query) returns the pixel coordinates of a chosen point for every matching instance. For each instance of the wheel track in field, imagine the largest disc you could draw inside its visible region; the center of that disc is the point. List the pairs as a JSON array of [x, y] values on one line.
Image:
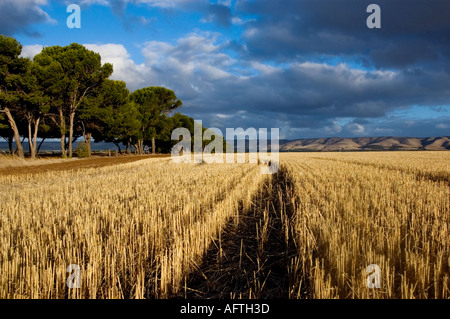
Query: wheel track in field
[[252, 257]]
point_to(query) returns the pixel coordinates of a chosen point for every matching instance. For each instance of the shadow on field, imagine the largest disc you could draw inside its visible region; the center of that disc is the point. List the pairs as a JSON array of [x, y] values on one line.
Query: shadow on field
[[253, 255]]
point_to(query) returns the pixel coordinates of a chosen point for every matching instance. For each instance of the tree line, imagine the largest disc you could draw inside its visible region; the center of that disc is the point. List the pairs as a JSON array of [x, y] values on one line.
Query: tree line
[[66, 93]]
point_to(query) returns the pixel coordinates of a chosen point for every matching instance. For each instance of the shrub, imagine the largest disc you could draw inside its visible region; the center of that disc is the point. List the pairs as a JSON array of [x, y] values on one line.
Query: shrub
[[81, 150]]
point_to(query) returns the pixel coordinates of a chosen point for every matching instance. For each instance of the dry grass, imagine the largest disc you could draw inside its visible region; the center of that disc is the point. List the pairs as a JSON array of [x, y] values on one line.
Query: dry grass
[[349, 216], [429, 165], [134, 229], [142, 229]]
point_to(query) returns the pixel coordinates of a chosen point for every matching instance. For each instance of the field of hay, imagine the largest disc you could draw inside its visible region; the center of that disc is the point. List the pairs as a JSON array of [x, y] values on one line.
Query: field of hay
[[158, 229]]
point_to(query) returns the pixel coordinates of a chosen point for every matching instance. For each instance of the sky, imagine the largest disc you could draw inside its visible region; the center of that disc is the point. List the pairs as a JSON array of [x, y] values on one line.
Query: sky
[[311, 68]]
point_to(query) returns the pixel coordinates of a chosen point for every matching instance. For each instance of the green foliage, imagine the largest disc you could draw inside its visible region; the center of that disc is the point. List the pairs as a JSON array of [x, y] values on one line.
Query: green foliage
[[76, 73], [82, 150], [15, 85], [153, 104], [165, 141], [126, 124], [98, 111], [67, 90], [3, 123], [12, 70], [74, 68], [10, 49]]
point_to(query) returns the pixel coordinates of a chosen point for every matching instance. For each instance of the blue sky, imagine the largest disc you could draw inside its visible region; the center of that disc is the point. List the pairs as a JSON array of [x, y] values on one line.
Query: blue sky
[[310, 68]]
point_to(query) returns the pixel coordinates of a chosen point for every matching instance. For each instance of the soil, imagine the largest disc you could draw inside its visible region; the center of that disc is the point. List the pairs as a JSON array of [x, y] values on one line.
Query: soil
[[92, 162]]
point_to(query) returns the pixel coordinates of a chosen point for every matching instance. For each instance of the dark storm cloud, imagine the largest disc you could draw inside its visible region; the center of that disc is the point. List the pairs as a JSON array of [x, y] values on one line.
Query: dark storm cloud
[[311, 97], [220, 14], [311, 68], [307, 99], [18, 16], [281, 74], [321, 90], [217, 13], [129, 21], [412, 31]]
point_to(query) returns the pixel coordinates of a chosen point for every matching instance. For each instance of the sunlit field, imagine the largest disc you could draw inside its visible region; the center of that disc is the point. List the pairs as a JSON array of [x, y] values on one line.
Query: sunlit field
[[158, 229], [357, 209], [134, 229]]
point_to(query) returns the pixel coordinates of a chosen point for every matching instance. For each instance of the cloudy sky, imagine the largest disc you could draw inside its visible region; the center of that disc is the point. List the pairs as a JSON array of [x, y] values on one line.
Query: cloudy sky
[[309, 67]]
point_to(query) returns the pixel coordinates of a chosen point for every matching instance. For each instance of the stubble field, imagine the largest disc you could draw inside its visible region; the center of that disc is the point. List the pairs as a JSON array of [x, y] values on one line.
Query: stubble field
[[157, 229]]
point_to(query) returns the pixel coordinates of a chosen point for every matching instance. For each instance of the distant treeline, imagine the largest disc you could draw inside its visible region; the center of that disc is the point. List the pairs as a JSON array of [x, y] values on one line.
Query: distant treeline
[[50, 146], [66, 93]]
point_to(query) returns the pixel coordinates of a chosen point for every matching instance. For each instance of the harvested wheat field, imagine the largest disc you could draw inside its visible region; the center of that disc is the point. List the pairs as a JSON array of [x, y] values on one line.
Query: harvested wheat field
[[353, 210], [156, 229]]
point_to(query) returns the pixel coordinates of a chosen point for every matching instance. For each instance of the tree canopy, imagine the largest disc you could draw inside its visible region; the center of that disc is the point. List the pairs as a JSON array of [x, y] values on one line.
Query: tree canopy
[[14, 77], [78, 72], [153, 104], [65, 92]]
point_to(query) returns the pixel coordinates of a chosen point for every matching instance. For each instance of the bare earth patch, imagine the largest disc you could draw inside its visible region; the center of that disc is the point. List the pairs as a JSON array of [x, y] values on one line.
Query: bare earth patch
[[17, 166]]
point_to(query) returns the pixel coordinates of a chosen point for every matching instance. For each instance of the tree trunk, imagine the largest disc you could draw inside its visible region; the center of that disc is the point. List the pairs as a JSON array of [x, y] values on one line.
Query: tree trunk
[[30, 140], [13, 125], [32, 136], [36, 129], [128, 147], [88, 143], [62, 126], [140, 147], [118, 147], [153, 146], [40, 144], [71, 120], [63, 145]]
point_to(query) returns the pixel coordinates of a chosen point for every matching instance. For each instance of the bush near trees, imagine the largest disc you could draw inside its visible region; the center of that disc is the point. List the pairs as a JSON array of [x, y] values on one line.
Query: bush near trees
[[66, 93]]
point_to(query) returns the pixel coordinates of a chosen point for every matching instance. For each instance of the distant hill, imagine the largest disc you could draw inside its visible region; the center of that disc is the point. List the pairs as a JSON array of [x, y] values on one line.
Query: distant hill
[[387, 143], [331, 144]]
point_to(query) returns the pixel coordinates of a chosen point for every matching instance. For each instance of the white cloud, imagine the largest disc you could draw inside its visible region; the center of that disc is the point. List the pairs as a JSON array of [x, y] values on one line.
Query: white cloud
[[189, 66], [442, 126], [355, 128], [29, 51], [226, 3], [333, 129], [240, 21], [250, 32], [124, 68], [223, 116], [264, 68]]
